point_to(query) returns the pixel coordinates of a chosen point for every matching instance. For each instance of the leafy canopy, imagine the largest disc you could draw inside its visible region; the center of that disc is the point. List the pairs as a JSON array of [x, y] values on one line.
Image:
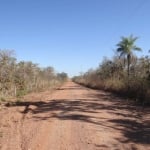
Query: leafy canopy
[[127, 45]]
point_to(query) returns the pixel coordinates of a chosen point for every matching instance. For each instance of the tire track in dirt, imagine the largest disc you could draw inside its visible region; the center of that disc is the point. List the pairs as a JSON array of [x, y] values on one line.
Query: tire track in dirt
[[77, 118]]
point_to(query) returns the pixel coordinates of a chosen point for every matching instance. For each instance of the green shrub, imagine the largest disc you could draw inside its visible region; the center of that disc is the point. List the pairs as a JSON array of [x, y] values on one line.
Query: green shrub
[[2, 99], [21, 93]]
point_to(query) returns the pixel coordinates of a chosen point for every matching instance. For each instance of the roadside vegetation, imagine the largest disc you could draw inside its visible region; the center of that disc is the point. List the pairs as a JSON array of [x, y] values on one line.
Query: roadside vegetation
[[20, 78], [124, 74]]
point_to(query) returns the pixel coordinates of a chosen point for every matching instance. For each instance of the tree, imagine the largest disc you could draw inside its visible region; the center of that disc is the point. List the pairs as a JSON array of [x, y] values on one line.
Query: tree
[[62, 76], [7, 69], [126, 47]]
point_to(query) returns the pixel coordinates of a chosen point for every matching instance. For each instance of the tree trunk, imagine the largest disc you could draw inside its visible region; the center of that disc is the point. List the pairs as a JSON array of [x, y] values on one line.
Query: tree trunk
[[15, 91], [128, 59]]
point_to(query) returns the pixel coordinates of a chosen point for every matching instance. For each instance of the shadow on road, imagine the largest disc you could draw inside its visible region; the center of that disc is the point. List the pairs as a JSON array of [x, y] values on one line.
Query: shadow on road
[[132, 125]]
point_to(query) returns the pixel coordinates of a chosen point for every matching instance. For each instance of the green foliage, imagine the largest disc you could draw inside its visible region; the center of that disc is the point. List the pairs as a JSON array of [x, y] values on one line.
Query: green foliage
[[126, 47]]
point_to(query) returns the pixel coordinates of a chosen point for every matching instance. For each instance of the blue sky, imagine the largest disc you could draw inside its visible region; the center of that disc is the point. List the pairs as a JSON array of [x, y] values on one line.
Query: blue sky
[[71, 35]]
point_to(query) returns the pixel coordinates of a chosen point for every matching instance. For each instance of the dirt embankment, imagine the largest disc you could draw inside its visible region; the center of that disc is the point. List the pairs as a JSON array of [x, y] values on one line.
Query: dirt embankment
[[74, 118]]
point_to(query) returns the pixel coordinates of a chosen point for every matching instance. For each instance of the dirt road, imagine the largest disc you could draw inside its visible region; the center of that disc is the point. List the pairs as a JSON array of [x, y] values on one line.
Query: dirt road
[[74, 118]]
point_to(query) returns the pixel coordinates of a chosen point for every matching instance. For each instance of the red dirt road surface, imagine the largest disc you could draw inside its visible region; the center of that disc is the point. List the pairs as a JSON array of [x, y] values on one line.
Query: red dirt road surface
[[74, 118]]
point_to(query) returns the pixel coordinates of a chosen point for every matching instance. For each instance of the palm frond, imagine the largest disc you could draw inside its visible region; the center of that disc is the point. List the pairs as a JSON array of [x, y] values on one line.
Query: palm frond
[[119, 49], [126, 45], [137, 48]]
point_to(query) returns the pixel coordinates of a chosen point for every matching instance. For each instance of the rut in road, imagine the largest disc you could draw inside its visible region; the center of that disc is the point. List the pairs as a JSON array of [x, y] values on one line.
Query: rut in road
[[78, 118]]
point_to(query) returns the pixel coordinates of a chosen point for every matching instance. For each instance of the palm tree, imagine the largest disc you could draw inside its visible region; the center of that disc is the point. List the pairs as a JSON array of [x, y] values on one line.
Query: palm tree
[[126, 47]]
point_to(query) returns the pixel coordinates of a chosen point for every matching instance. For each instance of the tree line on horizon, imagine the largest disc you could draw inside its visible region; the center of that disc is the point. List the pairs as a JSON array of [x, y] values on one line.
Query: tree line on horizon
[[20, 78], [124, 74]]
